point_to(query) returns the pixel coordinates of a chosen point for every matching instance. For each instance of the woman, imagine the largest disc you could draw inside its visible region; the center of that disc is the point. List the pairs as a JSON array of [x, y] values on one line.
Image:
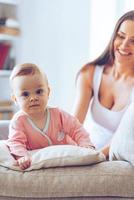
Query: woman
[[109, 82]]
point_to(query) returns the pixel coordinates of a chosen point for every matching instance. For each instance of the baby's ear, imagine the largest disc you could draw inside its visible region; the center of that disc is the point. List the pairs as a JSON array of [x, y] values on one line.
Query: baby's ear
[[13, 97], [49, 90]]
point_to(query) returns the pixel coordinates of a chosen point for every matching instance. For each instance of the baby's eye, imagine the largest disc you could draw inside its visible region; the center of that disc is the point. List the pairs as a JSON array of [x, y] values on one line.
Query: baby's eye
[[25, 94], [39, 91]]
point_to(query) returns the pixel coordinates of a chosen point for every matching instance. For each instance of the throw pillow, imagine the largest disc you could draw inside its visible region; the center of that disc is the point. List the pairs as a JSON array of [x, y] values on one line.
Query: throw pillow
[[53, 156]]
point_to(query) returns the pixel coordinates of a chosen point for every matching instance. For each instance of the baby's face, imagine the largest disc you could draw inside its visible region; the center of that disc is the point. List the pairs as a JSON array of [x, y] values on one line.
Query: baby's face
[[31, 93]]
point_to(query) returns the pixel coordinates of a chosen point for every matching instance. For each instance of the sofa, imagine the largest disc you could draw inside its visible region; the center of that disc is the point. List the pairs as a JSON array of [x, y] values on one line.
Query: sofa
[[112, 180]]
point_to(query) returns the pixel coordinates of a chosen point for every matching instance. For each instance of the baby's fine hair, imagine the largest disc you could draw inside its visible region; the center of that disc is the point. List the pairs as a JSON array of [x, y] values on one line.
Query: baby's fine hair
[[26, 69]]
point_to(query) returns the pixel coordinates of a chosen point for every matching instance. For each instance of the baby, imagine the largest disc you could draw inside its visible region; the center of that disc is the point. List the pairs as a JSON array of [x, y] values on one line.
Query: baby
[[36, 125]]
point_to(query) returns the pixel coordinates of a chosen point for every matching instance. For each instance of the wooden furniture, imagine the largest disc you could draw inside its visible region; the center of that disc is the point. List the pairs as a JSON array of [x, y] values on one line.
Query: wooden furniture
[[9, 36]]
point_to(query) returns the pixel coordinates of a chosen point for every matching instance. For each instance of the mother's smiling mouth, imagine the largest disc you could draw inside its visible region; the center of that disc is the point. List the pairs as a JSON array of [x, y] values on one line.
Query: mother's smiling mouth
[[123, 53]]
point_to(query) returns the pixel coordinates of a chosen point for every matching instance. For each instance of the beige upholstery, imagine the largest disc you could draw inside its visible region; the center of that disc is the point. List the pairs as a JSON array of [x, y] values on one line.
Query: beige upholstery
[[114, 178]]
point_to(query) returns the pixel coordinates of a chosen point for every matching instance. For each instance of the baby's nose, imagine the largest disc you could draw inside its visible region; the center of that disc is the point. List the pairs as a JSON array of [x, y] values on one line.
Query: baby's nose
[[33, 98]]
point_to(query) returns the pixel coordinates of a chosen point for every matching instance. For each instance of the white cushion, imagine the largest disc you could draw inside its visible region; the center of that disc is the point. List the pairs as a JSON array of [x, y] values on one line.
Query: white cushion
[[122, 144], [53, 156]]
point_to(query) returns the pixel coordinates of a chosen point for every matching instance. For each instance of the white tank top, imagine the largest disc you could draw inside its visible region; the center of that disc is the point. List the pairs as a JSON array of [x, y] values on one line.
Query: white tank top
[[101, 122]]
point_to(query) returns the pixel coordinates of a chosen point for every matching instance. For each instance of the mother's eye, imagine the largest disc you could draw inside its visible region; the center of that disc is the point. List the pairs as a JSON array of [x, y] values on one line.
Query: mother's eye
[[132, 41], [25, 94], [120, 36], [39, 91]]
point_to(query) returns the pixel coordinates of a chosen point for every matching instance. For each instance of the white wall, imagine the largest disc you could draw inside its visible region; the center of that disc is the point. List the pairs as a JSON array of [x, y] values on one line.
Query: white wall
[[103, 17], [55, 35]]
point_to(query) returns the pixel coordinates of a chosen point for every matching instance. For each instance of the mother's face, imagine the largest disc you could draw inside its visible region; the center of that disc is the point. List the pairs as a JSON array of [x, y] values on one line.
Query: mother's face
[[124, 43]]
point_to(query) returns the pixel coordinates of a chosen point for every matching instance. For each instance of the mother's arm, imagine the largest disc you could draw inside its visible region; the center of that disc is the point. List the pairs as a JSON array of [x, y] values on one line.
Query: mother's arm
[[84, 92], [105, 150]]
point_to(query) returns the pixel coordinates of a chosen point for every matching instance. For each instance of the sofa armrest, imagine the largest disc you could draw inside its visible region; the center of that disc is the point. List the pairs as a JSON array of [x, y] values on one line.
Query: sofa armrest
[[4, 129]]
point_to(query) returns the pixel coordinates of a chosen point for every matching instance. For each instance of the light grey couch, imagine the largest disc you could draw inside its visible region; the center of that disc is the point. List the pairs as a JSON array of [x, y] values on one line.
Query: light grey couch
[[107, 180]]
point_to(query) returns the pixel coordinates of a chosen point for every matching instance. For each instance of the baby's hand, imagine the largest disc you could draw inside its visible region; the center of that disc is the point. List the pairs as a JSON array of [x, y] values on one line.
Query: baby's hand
[[24, 162]]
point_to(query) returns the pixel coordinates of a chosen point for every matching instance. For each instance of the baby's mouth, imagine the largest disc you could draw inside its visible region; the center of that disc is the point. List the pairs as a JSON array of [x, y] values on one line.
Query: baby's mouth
[[34, 105]]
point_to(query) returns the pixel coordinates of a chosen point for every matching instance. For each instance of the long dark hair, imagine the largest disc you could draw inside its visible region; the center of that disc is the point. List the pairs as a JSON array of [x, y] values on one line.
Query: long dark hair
[[107, 57]]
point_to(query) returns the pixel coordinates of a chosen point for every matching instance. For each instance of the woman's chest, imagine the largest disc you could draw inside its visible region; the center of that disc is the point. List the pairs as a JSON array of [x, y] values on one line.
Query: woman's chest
[[115, 94]]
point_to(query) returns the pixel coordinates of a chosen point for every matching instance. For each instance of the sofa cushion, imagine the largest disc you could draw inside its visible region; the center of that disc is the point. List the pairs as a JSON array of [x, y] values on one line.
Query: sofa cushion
[[110, 178], [122, 144], [4, 129], [52, 156]]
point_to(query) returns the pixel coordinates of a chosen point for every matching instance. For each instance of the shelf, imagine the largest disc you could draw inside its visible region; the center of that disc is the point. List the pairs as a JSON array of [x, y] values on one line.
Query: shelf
[[5, 37], [5, 73], [9, 31], [6, 109], [9, 36]]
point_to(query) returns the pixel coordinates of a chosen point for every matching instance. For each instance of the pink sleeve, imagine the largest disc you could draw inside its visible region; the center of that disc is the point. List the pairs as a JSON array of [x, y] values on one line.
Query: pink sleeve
[[75, 129], [17, 139]]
